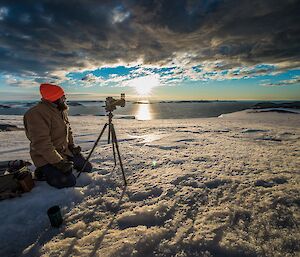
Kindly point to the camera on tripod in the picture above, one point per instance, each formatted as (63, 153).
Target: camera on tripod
(111, 103)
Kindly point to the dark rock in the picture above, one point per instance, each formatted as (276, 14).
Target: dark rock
(74, 104)
(4, 106)
(8, 127)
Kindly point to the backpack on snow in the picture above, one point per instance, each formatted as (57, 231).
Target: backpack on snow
(15, 179)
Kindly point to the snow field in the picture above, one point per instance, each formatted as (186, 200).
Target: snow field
(200, 187)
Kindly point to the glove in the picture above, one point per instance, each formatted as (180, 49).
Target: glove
(64, 166)
(17, 164)
(75, 150)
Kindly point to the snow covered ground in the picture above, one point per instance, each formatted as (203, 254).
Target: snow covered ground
(226, 186)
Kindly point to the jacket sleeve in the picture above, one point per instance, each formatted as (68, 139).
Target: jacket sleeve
(38, 128)
(70, 138)
(70, 132)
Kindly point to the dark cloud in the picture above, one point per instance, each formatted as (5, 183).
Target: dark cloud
(39, 37)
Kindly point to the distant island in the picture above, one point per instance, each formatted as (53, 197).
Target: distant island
(265, 105)
(74, 104)
(141, 102)
(90, 101)
(4, 106)
(278, 110)
(185, 101)
(200, 101)
(30, 104)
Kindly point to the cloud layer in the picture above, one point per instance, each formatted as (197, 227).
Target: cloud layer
(48, 38)
(287, 82)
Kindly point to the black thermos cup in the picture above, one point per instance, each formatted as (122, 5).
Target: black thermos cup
(55, 217)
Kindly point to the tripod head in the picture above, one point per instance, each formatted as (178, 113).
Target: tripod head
(110, 116)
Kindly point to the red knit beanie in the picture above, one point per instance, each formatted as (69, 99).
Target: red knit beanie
(51, 92)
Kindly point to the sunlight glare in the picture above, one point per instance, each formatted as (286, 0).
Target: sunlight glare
(144, 85)
(143, 112)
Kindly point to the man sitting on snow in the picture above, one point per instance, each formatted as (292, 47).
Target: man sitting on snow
(52, 146)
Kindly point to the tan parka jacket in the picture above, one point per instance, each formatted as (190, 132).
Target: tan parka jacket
(49, 132)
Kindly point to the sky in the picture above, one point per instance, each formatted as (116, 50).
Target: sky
(164, 50)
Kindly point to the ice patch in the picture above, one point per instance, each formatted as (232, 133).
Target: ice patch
(185, 140)
(165, 147)
(148, 137)
(269, 138)
(254, 130)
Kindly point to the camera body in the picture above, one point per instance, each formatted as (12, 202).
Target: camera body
(111, 103)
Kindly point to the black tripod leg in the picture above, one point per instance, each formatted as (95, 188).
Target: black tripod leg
(96, 142)
(109, 133)
(114, 136)
(114, 150)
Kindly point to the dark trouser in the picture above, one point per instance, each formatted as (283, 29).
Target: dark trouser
(58, 179)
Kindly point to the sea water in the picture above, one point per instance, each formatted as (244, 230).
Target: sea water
(142, 110)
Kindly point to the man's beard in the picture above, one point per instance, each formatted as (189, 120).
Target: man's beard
(61, 105)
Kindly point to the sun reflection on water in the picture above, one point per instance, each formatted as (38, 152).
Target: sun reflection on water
(143, 112)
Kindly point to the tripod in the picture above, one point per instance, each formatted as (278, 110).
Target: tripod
(112, 137)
